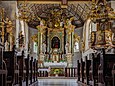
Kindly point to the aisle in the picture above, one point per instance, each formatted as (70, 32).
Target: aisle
(57, 82)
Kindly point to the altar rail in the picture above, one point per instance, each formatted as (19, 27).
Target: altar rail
(68, 72)
(71, 72)
(43, 72)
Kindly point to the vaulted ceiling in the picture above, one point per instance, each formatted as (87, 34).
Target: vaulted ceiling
(42, 9)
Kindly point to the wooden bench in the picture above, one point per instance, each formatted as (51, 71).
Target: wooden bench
(12, 67)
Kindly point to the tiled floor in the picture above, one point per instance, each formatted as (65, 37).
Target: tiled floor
(57, 82)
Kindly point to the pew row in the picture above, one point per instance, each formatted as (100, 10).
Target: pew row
(98, 71)
(17, 70)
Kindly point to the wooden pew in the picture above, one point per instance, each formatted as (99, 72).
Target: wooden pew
(107, 62)
(3, 69)
(113, 74)
(78, 68)
(93, 75)
(20, 60)
(99, 70)
(35, 70)
(12, 67)
(87, 67)
(31, 71)
(17, 70)
(88, 71)
(81, 72)
(27, 70)
(82, 66)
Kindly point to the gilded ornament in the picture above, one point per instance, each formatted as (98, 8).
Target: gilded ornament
(35, 38)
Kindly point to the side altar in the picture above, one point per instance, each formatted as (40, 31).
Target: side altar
(55, 41)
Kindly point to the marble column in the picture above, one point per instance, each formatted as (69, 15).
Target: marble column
(17, 28)
(26, 38)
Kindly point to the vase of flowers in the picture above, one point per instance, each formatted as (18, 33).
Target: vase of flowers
(56, 72)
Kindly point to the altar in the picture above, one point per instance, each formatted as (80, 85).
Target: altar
(55, 64)
(55, 45)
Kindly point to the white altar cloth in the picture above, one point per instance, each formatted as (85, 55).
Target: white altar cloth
(51, 64)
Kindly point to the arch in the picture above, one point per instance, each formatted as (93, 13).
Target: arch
(55, 42)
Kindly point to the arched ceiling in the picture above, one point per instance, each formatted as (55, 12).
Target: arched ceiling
(78, 10)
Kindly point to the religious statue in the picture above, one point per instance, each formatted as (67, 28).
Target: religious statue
(44, 47)
(6, 46)
(67, 47)
(6, 20)
(68, 21)
(61, 24)
(42, 21)
(21, 39)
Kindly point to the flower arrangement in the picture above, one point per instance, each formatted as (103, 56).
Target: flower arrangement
(48, 61)
(56, 71)
(62, 60)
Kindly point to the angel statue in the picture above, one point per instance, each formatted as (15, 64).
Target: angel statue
(42, 21)
(44, 47)
(6, 45)
(21, 38)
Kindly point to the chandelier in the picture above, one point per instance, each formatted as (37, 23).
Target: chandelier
(101, 12)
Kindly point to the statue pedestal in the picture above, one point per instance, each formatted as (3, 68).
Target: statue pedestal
(69, 59)
(42, 56)
(41, 59)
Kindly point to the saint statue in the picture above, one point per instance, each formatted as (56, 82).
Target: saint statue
(44, 47)
(6, 46)
(21, 39)
(67, 47)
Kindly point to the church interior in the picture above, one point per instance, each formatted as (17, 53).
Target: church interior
(57, 43)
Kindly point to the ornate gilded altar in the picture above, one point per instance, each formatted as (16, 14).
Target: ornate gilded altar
(53, 35)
